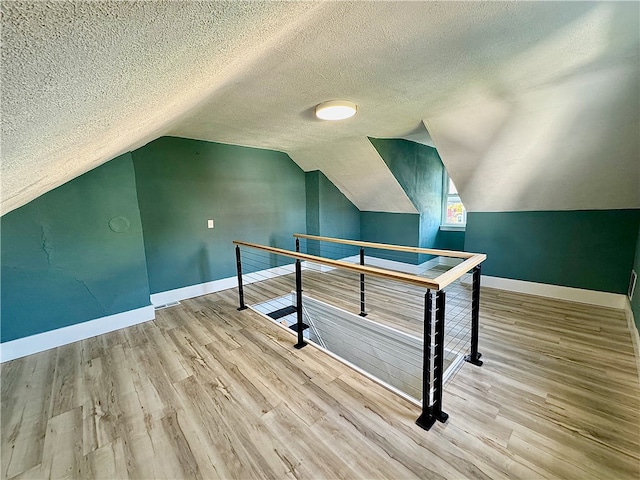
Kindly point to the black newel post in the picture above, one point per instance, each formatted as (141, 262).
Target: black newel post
(300, 325)
(426, 419)
(240, 289)
(438, 366)
(363, 313)
(474, 356)
(297, 244)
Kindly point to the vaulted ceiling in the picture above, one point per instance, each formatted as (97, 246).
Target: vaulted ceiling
(532, 106)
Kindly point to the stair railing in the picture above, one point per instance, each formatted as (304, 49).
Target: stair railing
(434, 307)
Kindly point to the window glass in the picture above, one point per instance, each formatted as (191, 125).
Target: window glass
(453, 212)
(456, 214)
(452, 187)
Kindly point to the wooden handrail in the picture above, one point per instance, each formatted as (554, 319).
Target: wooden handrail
(386, 246)
(378, 272)
(456, 272)
(435, 284)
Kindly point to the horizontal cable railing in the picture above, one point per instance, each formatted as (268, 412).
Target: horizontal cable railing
(402, 302)
(374, 271)
(459, 275)
(387, 246)
(470, 260)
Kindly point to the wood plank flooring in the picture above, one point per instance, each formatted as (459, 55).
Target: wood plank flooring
(205, 391)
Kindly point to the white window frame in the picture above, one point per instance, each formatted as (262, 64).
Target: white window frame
(445, 197)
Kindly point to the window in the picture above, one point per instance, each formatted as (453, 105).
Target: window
(454, 215)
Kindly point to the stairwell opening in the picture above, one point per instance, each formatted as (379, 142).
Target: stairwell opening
(387, 355)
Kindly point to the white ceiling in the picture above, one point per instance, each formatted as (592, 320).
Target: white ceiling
(532, 106)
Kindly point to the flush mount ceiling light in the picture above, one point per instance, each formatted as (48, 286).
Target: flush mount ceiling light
(336, 110)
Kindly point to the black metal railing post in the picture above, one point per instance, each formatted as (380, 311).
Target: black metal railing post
(363, 313)
(426, 418)
(438, 362)
(474, 356)
(240, 289)
(297, 244)
(300, 326)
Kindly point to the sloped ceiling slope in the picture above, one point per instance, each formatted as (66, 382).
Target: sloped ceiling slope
(555, 127)
(532, 106)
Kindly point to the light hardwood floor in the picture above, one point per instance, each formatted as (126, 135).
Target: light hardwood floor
(205, 391)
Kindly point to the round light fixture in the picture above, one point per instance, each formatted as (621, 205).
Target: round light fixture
(336, 110)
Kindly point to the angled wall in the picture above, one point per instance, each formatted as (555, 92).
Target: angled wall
(329, 214)
(78, 253)
(74, 254)
(419, 170)
(251, 194)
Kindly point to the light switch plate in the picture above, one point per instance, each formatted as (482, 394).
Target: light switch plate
(209, 223)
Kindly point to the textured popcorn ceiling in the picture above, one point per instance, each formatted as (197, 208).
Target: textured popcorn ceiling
(532, 106)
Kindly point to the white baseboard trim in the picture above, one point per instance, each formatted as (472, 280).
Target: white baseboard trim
(316, 267)
(80, 331)
(579, 295)
(192, 291)
(633, 330)
(178, 294)
(73, 333)
(391, 265)
(411, 268)
(369, 261)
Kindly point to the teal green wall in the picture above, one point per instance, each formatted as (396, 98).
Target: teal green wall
(251, 194)
(312, 196)
(393, 228)
(417, 168)
(419, 171)
(635, 302)
(329, 214)
(62, 264)
(591, 249)
(450, 240)
(78, 252)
